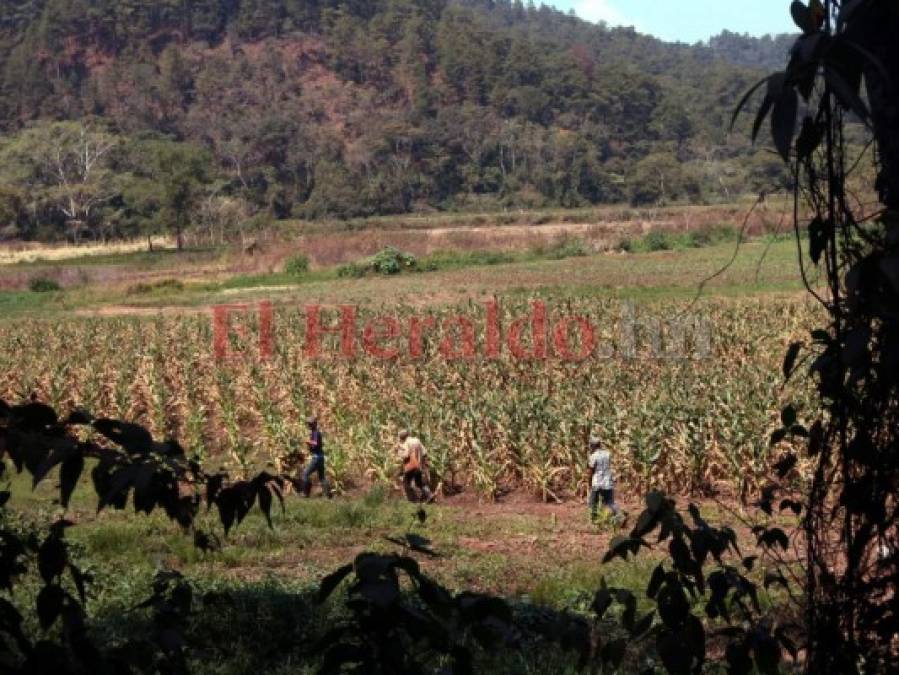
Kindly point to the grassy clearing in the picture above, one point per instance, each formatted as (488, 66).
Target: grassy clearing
(140, 259)
(758, 268)
(254, 605)
(58, 253)
(16, 303)
(93, 277)
(600, 214)
(550, 555)
(561, 269)
(521, 546)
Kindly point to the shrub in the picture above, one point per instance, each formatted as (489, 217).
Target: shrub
(662, 240)
(392, 261)
(697, 239)
(658, 240)
(491, 258)
(455, 259)
(44, 285)
(566, 248)
(164, 285)
(388, 261)
(297, 265)
(625, 245)
(428, 266)
(353, 270)
(709, 235)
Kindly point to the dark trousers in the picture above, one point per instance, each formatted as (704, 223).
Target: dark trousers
(608, 499)
(416, 477)
(316, 465)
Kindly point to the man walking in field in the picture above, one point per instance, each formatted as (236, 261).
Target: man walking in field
(602, 484)
(413, 456)
(316, 446)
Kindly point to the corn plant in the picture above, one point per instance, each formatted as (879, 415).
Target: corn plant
(682, 425)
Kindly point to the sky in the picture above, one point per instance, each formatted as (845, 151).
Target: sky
(686, 20)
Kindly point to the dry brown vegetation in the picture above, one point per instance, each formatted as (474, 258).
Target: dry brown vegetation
(329, 244)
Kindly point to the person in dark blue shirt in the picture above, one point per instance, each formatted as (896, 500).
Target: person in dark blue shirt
(316, 446)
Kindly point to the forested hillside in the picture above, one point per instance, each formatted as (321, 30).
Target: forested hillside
(123, 116)
(769, 52)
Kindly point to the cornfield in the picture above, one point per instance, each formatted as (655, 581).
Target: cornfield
(680, 424)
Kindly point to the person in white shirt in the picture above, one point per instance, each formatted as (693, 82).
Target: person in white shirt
(602, 482)
(413, 456)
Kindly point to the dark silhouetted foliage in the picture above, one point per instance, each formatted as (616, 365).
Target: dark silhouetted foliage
(845, 66)
(128, 465)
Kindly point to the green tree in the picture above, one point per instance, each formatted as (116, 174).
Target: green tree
(273, 87)
(672, 122)
(66, 167)
(336, 192)
(414, 63)
(175, 86)
(182, 171)
(12, 209)
(166, 185)
(656, 179)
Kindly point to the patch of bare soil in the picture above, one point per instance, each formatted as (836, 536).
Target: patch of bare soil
(129, 310)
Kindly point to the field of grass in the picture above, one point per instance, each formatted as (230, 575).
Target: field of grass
(518, 547)
(692, 216)
(254, 594)
(93, 276)
(760, 267)
(25, 254)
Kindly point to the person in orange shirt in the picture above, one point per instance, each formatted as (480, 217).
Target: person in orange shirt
(414, 458)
